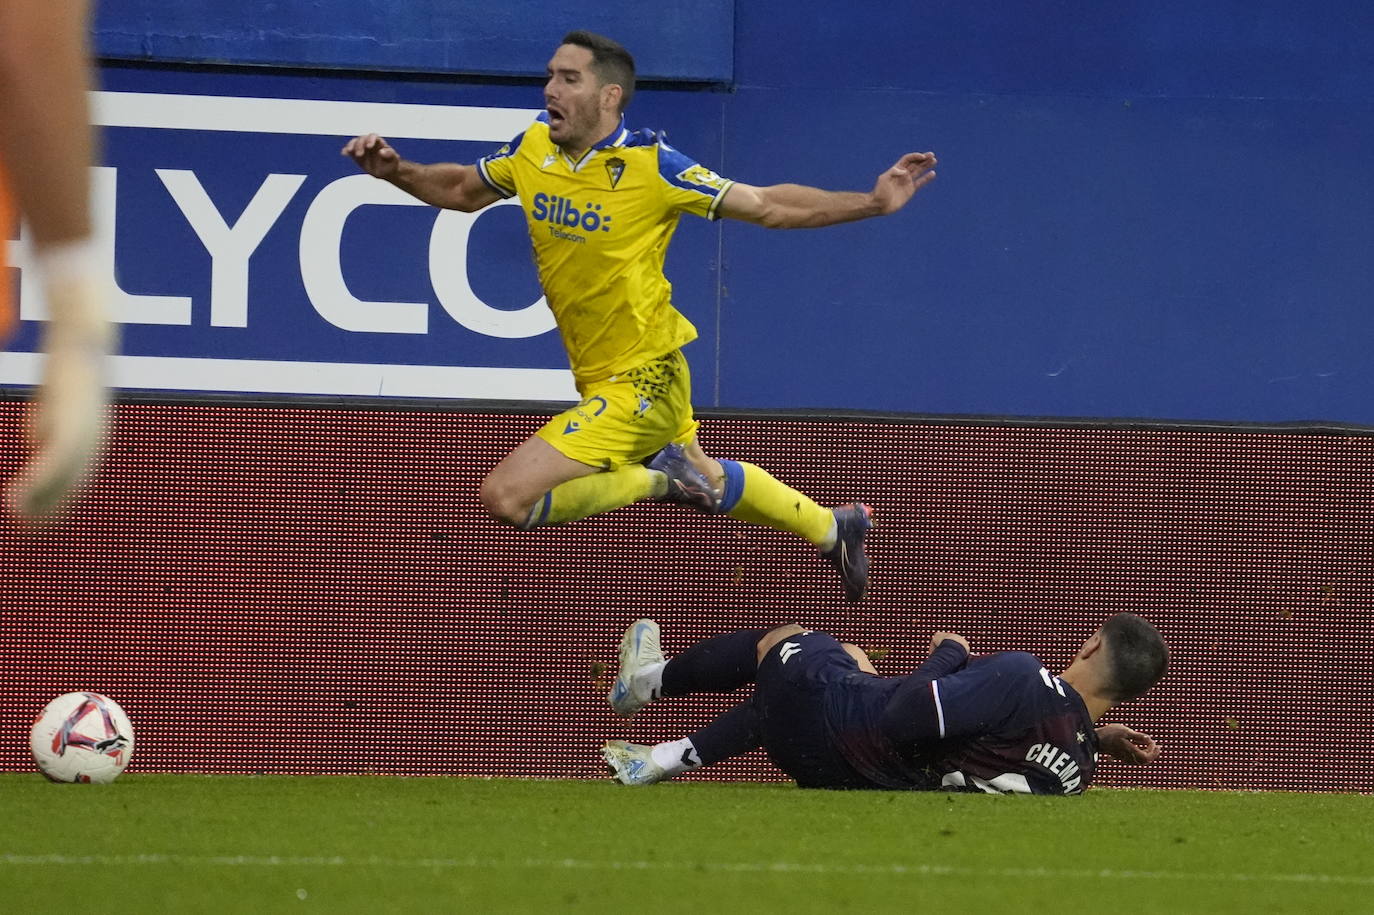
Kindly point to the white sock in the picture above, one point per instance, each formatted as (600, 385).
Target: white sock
(676, 756)
(650, 679)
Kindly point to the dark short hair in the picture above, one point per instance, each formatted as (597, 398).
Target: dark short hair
(610, 61)
(1137, 655)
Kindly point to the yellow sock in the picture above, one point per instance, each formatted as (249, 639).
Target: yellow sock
(594, 494)
(760, 498)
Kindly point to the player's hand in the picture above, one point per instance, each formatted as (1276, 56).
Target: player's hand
(899, 184)
(68, 423)
(1127, 745)
(940, 637)
(373, 155)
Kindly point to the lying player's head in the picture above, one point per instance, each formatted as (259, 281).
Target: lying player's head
(1135, 653)
(612, 64)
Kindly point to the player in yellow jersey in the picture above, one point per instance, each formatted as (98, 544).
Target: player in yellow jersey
(601, 202)
(45, 160)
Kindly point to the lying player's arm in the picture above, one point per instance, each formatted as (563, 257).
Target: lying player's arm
(1126, 745)
(912, 713)
(939, 664)
(444, 184)
(796, 206)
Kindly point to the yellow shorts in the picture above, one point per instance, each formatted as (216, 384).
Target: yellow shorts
(626, 418)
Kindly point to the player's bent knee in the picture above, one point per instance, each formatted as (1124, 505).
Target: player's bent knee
(503, 504)
(775, 636)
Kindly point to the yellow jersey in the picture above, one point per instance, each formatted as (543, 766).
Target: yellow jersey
(600, 228)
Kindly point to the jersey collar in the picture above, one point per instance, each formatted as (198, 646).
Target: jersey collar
(1079, 705)
(616, 137)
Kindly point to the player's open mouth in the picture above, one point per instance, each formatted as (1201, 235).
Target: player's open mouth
(555, 116)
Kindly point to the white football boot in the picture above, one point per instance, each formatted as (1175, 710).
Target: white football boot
(632, 763)
(639, 653)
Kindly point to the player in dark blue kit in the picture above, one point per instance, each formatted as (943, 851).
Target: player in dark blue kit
(999, 723)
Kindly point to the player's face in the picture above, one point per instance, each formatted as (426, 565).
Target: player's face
(573, 97)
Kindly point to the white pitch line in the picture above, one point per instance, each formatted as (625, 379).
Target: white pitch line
(759, 867)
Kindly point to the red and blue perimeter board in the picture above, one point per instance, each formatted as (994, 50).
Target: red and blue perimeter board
(271, 588)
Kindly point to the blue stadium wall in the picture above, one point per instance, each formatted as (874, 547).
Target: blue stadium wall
(1153, 210)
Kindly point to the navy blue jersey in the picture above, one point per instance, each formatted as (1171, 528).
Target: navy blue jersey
(998, 723)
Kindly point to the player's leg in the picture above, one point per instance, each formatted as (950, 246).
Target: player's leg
(752, 494)
(582, 462)
(785, 715)
(731, 734)
(740, 489)
(721, 664)
(589, 458)
(537, 485)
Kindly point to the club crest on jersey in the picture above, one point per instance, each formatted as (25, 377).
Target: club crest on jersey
(615, 167)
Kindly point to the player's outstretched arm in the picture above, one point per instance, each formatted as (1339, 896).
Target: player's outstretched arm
(48, 149)
(443, 184)
(796, 206)
(67, 427)
(1127, 745)
(47, 143)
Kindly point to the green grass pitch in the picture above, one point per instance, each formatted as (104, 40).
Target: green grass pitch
(165, 843)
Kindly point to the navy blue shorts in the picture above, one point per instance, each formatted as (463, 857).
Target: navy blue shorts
(789, 697)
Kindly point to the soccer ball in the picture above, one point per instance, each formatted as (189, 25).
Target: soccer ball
(82, 737)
